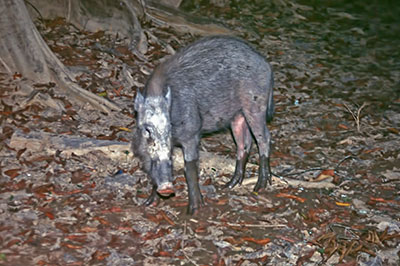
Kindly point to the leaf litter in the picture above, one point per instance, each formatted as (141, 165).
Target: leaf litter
(337, 122)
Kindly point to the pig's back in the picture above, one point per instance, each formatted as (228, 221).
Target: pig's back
(214, 74)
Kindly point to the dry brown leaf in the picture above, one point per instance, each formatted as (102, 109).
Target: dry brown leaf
(324, 175)
(289, 196)
(257, 241)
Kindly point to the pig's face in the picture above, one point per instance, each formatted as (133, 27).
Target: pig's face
(154, 136)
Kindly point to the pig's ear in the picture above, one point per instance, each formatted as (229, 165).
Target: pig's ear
(168, 96)
(139, 101)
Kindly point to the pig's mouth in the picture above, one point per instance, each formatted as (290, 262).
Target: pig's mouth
(165, 189)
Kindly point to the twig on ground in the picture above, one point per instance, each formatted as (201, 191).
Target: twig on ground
(342, 161)
(356, 115)
(299, 173)
(262, 225)
(307, 184)
(183, 246)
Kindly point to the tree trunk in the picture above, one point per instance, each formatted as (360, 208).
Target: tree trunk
(23, 50)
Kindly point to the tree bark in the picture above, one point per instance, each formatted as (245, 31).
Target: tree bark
(24, 51)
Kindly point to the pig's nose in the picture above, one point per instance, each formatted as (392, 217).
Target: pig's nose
(165, 189)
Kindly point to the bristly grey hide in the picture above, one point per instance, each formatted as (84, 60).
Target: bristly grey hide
(214, 83)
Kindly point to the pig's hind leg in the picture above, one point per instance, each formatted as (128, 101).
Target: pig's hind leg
(256, 119)
(243, 140)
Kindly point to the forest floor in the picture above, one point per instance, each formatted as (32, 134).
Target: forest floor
(335, 195)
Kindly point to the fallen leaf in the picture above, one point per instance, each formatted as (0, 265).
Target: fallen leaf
(12, 173)
(50, 215)
(289, 196)
(46, 188)
(166, 218)
(12, 243)
(180, 203)
(160, 233)
(17, 75)
(79, 238)
(164, 254)
(394, 130)
(257, 241)
(102, 220)
(113, 209)
(20, 185)
(100, 255)
(382, 200)
(234, 241)
(72, 246)
(286, 238)
(88, 229)
(207, 182)
(372, 150)
(344, 204)
(118, 91)
(305, 258)
(79, 176)
(324, 175)
(222, 201)
(201, 229)
(125, 129)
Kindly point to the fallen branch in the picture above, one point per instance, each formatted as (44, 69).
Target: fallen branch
(327, 183)
(262, 225)
(51, 143)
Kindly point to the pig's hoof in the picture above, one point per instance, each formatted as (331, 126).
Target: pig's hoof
(262, 182)
(233, 182)
(257, 187)
(193, 209)
(152, 200)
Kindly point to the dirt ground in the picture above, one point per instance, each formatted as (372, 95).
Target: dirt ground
(71, 192)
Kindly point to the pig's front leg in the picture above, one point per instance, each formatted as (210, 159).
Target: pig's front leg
(192, 180)
(191, 156)
(153, 198)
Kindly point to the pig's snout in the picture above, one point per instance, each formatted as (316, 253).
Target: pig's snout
(162, 177)
(165, 189)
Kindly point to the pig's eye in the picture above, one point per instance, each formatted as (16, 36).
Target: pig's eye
(147, 131)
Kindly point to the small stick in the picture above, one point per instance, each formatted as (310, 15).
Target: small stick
(248, 225)
(355, 116)
(183, 246)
